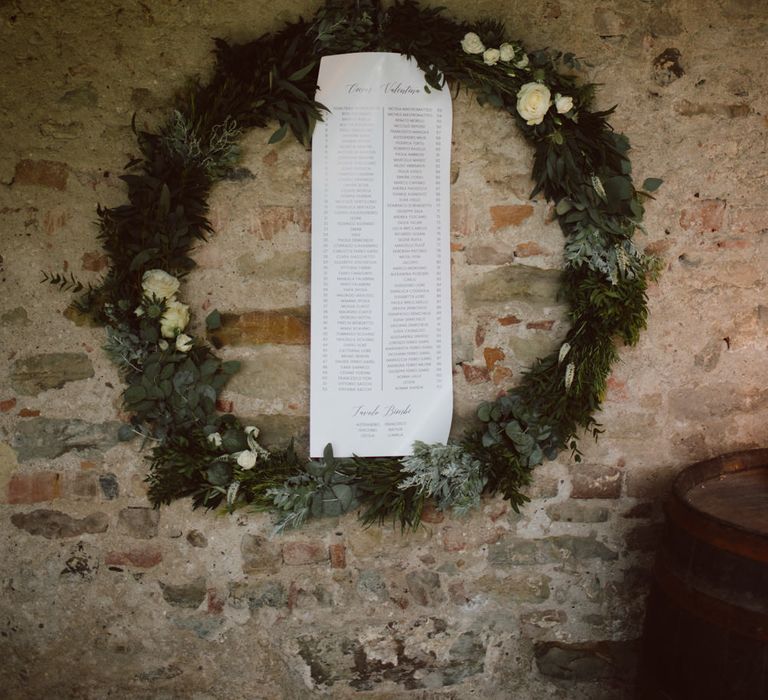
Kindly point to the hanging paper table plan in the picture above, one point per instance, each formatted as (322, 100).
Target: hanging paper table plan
(381, 308)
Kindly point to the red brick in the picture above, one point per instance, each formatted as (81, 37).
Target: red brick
(216, 601)
(496, 509)
(733, 244)
(430, 513)
(616, 390)
(540, 325)
(493, 535)
(705, 216)
(7, 405)
(480, 334)
(225, 406)
(282, 327)
(94, 261)
(272, 220)
(304, 552)
(140, 557)
(43, 173)
(270, 158)
(461, 220)
(509, 320)
(457, 247)
(501, 374)
(453, 540)
(29, 413)
(658, 247)
(338, 554)
(492, 356)
(505, 215)
(528, 249)
(475, 375)
(749, 220)
(34, 487)
(54, 220)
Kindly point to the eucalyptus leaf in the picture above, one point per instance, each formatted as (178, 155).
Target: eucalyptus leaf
(652, 184)
(125, 432)
(219, 474)
(213, 320)
(279, 134)
(134, 393)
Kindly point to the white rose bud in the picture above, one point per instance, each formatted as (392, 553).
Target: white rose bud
(506, 52)
(139, 311)
(158, 283)
(183, 342)
(491, 57)
(471, 43)
(533, 101)
(251, 431)
(563, 103)
(162, 344)
(246, 459)
(174, 320)
(215, 439)
(523, 62)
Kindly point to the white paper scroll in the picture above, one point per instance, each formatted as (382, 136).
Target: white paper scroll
(381, 307)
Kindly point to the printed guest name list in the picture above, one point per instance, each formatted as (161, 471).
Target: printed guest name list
(381, 306)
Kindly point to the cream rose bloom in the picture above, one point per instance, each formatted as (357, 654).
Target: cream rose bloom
(183, 342)
(533, 101)
(506, 52)
(471, 43)
(491, 57)
(158, 283)
(246, 459)
(215, 439)
(174, 320)
(563, 103)
(523, 62)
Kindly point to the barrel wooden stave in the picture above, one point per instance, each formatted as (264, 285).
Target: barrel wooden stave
(706, 629)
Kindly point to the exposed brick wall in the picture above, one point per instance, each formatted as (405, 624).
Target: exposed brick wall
(102, 594)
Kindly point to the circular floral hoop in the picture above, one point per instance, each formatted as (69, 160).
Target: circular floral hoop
(173, 379)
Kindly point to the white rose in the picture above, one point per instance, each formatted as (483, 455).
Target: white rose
(563, 103)
(174, 320)
(533, 101)
(523, 62)
(251, 431)
(139, 311)
(215, 439)
(471, 43)
(506, 52)
(183, 342)
(491, 57)
(162, 344)
(246, 459)
(159, 284)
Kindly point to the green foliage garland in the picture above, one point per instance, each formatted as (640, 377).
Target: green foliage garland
(173, 379)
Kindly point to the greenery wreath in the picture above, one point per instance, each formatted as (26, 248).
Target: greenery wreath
(173, 379)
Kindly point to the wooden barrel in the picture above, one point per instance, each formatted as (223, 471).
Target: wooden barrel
(706, 627)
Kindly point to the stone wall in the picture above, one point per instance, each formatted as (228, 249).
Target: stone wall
(103, 596)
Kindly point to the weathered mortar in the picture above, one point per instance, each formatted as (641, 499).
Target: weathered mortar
(102, 596)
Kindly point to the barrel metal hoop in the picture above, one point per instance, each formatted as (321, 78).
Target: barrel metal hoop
(717, 532)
